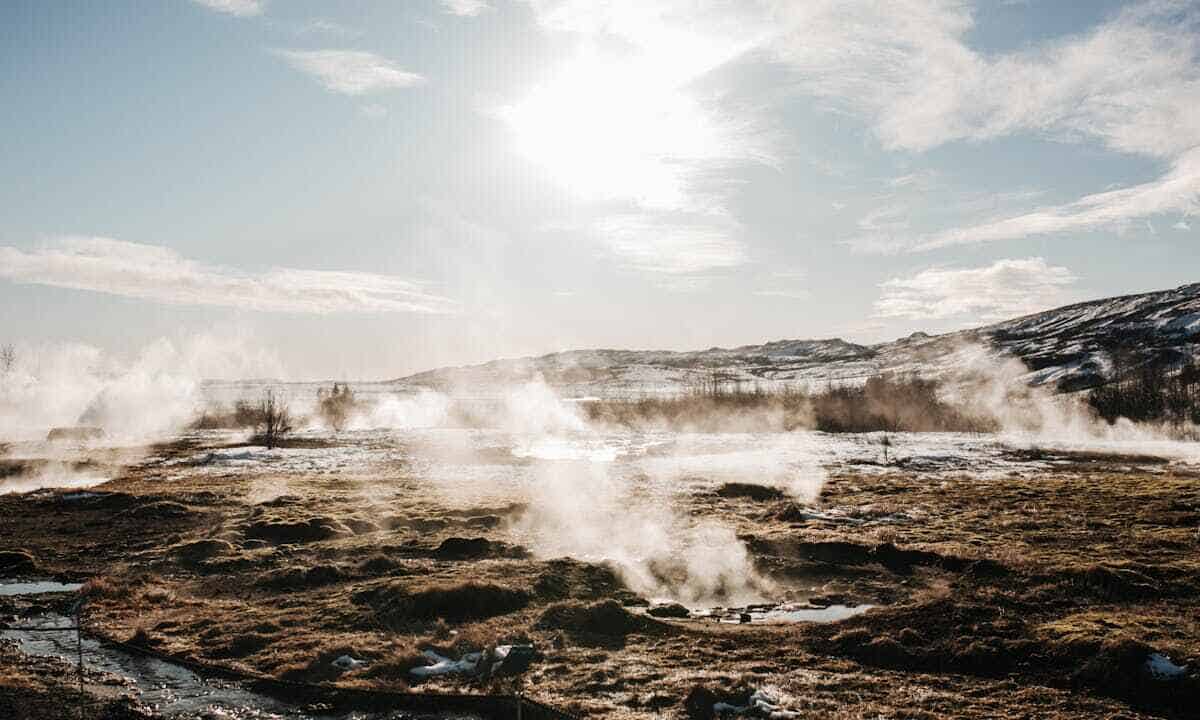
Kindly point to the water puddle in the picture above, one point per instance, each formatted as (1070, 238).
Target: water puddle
(170, 690)
(787, 613)
(37, 587)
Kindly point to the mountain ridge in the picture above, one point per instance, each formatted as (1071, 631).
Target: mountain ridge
(1072, 347)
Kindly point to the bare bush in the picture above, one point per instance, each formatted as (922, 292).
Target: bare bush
(8, 358)
(275, 420)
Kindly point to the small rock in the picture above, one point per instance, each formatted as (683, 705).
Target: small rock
(345, 663)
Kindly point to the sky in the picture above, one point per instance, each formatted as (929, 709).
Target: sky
(368, 189)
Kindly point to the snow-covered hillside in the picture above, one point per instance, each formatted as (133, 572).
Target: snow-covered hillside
(1068, 348)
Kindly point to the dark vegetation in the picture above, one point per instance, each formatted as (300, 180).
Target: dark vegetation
(336, 406)
(244, 414)
(884, 403)
(1150, 392)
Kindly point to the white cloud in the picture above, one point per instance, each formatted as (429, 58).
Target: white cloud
(1182, 225)
(466, 8)
(622, 121)
(1178, 190)
(240, 8)
(1132, 84)
(351, 72)
(1004, 289)
(161, 275)
(672, 247)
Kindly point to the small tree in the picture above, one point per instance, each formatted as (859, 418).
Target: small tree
(8, 358)
(274, 418)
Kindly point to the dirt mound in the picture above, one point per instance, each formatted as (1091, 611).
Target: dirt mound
(380, 565)
(600, 620)
(453, 603)
(570, 579)
(299, 578)
(243, 645)
(359, 526)
(474, 548)
(757, 493)
(158, 510)
(17, 562)
(421, 525)
(294, 533)
(943, 637)
(201, 550)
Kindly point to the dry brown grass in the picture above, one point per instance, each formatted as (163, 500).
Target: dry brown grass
(1083, 567)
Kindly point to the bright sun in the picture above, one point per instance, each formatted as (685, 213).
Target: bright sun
(616, 130)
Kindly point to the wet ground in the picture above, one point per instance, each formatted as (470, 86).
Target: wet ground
(655, 574)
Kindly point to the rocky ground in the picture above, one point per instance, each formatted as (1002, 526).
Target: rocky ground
(1055, 594)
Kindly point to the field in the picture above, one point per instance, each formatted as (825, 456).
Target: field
(976, 576)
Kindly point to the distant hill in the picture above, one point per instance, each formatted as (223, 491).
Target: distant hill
(1068, 348)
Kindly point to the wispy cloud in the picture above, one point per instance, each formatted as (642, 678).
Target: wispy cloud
(240, 8)
(351, 72)
(1177, 191)
(1131, 84)
(466, 8)
(158, 274)
(1004, 289)
(672, 247)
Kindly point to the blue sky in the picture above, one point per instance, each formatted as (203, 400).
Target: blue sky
(374, 188)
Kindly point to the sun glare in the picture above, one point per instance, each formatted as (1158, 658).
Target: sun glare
(608, 131)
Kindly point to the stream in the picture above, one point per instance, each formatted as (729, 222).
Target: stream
(168, 689)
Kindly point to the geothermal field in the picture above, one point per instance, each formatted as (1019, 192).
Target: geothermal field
(599, 359)
(678, 556)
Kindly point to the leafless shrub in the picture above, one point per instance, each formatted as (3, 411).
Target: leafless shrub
(275, 420)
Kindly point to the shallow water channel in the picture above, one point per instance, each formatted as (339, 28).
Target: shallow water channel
(171, 690)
